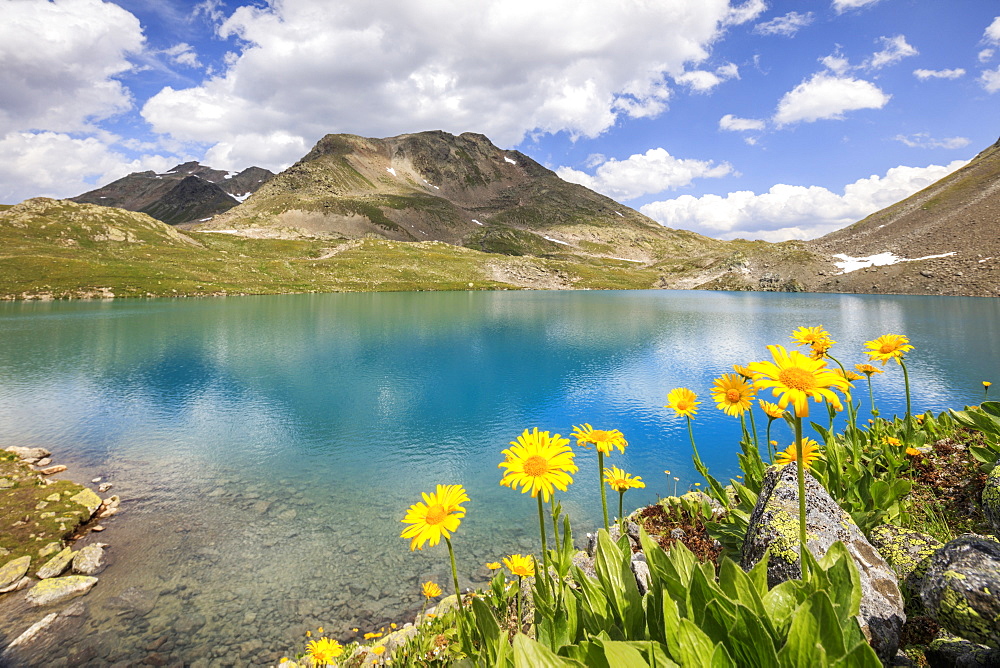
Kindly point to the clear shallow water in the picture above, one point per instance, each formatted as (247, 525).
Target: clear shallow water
(266, 448)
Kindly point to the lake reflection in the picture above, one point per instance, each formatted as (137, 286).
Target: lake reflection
(267, 447)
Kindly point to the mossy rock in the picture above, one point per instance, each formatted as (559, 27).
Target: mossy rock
(961, 587)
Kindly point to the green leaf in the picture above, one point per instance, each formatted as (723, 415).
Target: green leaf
(694, 647)
(802, 646)
(752, 639)
(621, 654)
(831, 631)
(862, 656)
(721, 657)
(530, 654)
(489, 630)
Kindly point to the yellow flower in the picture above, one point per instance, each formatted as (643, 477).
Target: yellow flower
(818, 351)
(795, 378)
(849, 375)
(868, 369)
(320, 630)
(392, 625)
(369, 636)
(378, 650)
(810, 453)
(436, 517)
(324, 651)
(986, 383)
(732, 394)
(682, 400)
(743, 371)
(810, 336)
(888, 347)
(602, 439)
(431, 589)
(772, 411)
(493, 565)
(520, 565)
(913, 452)
(893, 441)
(309, 634)
(539, 463)
(620, 481)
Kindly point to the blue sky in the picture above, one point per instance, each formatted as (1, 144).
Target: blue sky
(756, 118)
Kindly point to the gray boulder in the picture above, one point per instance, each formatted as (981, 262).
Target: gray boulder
(991, 500)
(13, 571)
(908, 553)
(33, 454)
(960, 589)
(952, 652)
(774, 525)
(89, 560)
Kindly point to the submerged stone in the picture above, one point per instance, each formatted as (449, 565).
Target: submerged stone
(56, 590)
(961, 589)
(774, 525)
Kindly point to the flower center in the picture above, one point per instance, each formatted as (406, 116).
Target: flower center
(536, 465)
(797, 379)
(683, 405)
(733, 396)
(436, 514)
(887, 348)
(599, 436)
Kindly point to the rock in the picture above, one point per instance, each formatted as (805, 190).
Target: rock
(44, 461)
(52, 470)
(56, 565)
(950, 651)
(774, 525)
(97, 527)
(33, 630)
(29, 453)
(585, 562)
(110, 507)
(53, 497)
(51, 548)
(908, 553)
(56, 590)
(23, 583)
(89, 560)
(960, 589)
(104, 486)
(640, 569)
(88, 499)
(991, 500)
(96, 480)
(6, 483)
(13, 571)
(927, 274)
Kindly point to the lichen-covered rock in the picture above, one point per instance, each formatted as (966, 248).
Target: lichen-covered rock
(991, 500)
(774, 525)
(908, 553)
(586, 563)
(13, 571)
(56, 565)
(56, 590)
(29, 453)
(88, 499)
(952, 652)
(961, 589)
(89, 560)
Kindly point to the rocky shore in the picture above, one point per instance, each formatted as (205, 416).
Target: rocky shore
(40, 572)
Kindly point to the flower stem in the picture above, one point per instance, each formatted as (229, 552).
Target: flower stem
(871, 395)
(545, 546)
(691, 435)
(458, 593)
(770, 450)
(555, 523)
(753, 429)
(600, 481)
(621, 511)
(520, 619)
(906, 382)
(801, 477)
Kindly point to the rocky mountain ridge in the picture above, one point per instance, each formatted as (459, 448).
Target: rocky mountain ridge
(187, 193)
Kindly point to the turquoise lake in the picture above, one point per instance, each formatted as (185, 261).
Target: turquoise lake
(266, 448)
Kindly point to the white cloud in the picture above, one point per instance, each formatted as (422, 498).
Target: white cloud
(841, 6)
(506, 68)
(836, 63)
(992, 33)
(924, 75)
(183, 54)
(644, 173)
(702, 81)
(734, 123)
(896, 48)
(59, 63)
(748, 11)
(990, 79)
(924, 140)
(794, 212)
(825, 96)
(54, 164)
(986, 55)
(786, 25)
